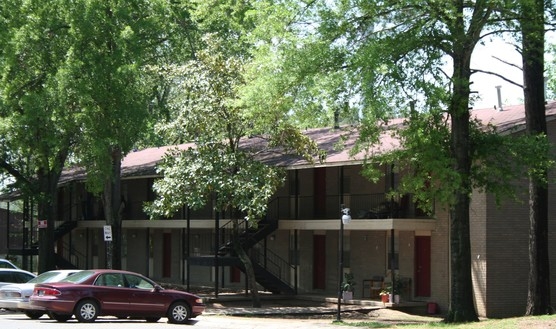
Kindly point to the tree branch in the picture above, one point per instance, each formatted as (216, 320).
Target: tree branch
(499, 76)
(508, 63)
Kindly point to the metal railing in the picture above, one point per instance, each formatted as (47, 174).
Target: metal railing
(72, 255)
(273, 263)
(376, 205)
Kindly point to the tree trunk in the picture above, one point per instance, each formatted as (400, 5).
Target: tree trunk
(47, 204)
(462, 307)
(112, 209)
(249, 270)
(46, 235)
(532, 25)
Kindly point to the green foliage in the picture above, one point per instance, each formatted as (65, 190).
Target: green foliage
(37, 123)
(375, 58)
(192, 176)
(106, 72)
(216, 164)
(348, 284)
(296, 77)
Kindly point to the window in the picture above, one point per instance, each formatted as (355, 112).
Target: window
(110, 280)
(134, 281)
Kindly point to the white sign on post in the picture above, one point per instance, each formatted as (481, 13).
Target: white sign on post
(107, 233)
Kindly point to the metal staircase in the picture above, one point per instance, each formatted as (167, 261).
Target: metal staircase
(60, 231)
(271, 272)
(248, 236)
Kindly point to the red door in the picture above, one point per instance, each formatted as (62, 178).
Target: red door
(422, 266)
(319, 261)
(235, 274)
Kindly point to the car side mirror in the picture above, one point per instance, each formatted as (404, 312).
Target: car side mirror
(158, 288)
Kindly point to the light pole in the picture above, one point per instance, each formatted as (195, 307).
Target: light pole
(345, 219)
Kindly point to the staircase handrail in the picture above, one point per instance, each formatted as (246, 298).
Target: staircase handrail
(71, 251)
(273, 263)
(227, 230)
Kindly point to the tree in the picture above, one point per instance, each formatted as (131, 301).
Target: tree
(385, 56)
(38, 119)
(108, 70)
(221, 164)
(532, 36)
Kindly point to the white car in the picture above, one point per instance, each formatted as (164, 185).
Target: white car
(4, 263)
(14, 275)
(15, 297)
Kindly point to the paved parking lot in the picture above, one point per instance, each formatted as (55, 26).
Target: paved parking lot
(20, 321)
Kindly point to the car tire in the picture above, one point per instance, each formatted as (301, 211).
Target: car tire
(86, 311)
(179, 313)
(152, 319)
(60, 317)
(34, 314)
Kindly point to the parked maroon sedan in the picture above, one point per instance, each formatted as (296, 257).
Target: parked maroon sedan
(93, 293)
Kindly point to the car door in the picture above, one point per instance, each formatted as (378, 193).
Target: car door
(110, 290)
(144, 298)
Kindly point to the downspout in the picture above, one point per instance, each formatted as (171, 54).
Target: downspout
(392, 232)
(296, 201)
(392, 260)
(216, 241)
(148, 249)
(296, 216)
(183, 256)
(188, 251)
(296, 253)
(87, 250)
(340, 244)
(8, 226)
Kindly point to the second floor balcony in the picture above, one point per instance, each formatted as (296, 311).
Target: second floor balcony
(362, 206)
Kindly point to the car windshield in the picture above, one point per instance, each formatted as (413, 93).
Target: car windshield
(78, 277)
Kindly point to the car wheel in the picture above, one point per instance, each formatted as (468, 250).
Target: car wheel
(33, 314)
(86, 311)
(178, 313)
(60, 317)
(152, 319)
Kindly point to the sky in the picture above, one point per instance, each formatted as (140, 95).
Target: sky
(485, 85)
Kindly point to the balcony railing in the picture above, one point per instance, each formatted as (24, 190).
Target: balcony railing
(362, 206)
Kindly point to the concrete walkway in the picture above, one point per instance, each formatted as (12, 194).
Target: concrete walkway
(294, 305)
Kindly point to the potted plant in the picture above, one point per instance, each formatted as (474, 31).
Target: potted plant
(348, 286)
(396, 288)
(384, 296)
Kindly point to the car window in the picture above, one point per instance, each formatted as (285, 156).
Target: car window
(138, 282)
(78, 277)
(110, 280)
(15, 277)
(5, 264)
(22, 277)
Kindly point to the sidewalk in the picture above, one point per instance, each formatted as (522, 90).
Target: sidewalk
(303, 308)
(301, 305)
